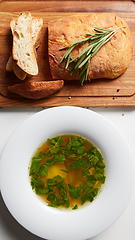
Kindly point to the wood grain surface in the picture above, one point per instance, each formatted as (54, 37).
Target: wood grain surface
(104, 92)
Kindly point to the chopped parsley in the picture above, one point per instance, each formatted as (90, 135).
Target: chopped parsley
(80, 171)
(75, 192)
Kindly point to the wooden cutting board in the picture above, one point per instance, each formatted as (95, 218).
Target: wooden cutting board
(118, 92)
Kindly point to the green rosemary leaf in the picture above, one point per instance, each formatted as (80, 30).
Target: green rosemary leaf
(81, 53)
(104, 40)
(83, 78)
(67, 53)
(99, 29)
(68, 61)
(82, 72)
(72, 69)
(76, 42)
(69, 50)
(98, 35)
(80, 64)
(87, 72)
(85, 61)
(90, 50)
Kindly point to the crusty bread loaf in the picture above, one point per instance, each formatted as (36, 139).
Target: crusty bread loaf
(109, 62)
(36, 90)
(23, 47)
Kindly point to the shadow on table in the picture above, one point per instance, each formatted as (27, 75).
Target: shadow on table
(12, 227)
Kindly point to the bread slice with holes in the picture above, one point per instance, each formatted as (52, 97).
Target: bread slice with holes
(20, 73)
(37, 24)
(23, 48)
(11, 66)
(36, 90)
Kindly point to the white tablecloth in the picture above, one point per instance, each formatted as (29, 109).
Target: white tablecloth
(123, 119)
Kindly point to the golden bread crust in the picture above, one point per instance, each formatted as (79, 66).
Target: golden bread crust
(111, 60)
(36, 90)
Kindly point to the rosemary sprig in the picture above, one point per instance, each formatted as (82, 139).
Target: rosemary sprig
(81, 63)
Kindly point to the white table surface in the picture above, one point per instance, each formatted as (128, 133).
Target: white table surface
(123, 119)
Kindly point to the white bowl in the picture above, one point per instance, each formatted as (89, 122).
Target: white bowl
(90, 219)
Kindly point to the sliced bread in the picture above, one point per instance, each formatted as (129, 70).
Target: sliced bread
(37, 24)
(36, 90)
(21, 74)
(23, 48)
(9, 67)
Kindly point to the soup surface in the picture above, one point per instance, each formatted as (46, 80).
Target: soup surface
(67, 171)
